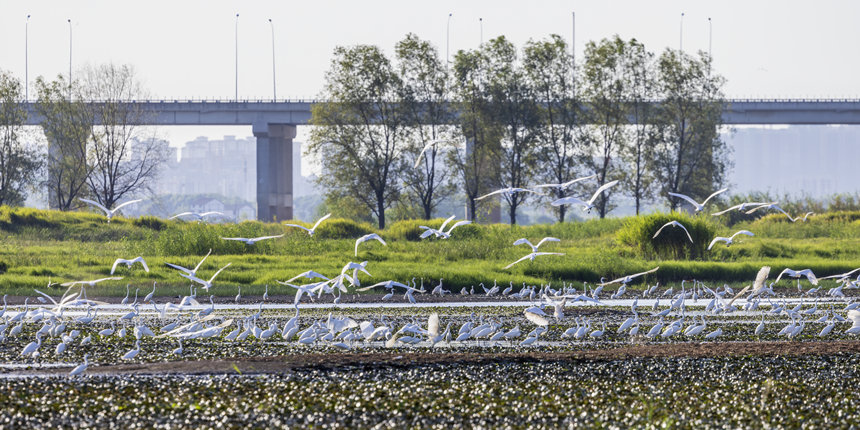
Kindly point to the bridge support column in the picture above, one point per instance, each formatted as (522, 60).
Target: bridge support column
(274, 171)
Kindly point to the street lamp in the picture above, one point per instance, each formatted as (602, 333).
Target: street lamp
(448, 42)
(681, 44)
(236, 96)
(27, 60)
(274, 87)
(710, 37)
(481, 22)
(70, 57)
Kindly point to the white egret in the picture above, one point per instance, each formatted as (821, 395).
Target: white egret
(509, 191)
(674, 224)
(312, 229)
(535, 247)
(565, 184)
(32, 347)
(587, 206)
(740, 208)
(728, 240)
(768, 206)
(129, 263)
(253, 240)
(91, 283)
(365, 238)
(109, 213)
(698, 207)
(149, 296)
(195, 215)
(192, 272)
(81, 367)
(797, 274)
(132, 353)
(206, 285)
(627, 279)
(532, 257)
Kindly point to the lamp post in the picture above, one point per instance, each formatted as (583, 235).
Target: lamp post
(274, 86)
(481, 23)
(448, 42)
(710, 36)
(70, 57)
(573, 51)
(27, 60)
(681, 43)
(236, 37)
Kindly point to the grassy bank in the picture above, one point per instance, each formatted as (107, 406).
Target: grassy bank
(42, 245)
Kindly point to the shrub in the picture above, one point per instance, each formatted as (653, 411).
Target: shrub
(409, 230)
(150, 222)
(339, 228)
(672, 243)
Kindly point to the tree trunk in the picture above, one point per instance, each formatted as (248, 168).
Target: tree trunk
(380, 207)
(512, 211)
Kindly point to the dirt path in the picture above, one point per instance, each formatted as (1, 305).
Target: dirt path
(395, 358)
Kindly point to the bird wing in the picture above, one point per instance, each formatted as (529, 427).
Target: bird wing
(457, 224)
(785, 213)
(240, 239)
(547, 239)
(644, 273)
(727, 210)
(219, 271)
(115, 263)
(569, 200)
(841, 275)
(112, 278)
(523, 241)
(760, 278)
(569, 183)
(201, 261)
(427, 232)
(257, 239)
(603, 188)
(210, 213)
(763, 205)
(538, 254)
(423, 150)
(180, 215)
(549, 186)
(811, 276)
(745, 232)
(433, 324)
(717, 239)
(492, 193)
(685, 231)
(451, 218)
(661, 229)
(376, 236)
(714, 194)
(780, 275)
(301, 227)
(325, 217)
(97, 204)
(143, 263)
(126, 204)
(178, 267)
(536, 319)
(521, 259)
(692, 202)
(46, 296)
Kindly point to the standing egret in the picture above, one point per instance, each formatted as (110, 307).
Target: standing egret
(81, 367)
(132, 353)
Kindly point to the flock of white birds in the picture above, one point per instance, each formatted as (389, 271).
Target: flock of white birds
(190, 320)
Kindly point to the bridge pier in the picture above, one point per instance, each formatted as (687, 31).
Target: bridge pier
(274, 171)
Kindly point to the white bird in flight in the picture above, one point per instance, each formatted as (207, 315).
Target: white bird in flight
(367, 237)
(441, 231)
(93, 282)
(566, 184)
(586, 205)
(509, 191)
(531, 257)
(797, 274)
(696, 205)
(627, 279)
(253, 240)
(768, 206)
(426, 147)
(740, 208)
(206, 285)
(312, 229)
(675, 224)
(195, 215)
(109, 213)
(728, 240)
(535, 247)
(192, 272)
(129, 263)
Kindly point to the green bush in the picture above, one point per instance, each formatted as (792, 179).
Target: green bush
(339, 228)
(672, 243)
(150, 222)
(409, 230)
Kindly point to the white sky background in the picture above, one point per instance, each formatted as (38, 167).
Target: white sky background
(185, 48)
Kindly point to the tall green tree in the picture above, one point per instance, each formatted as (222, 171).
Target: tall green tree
(638, 151)
(19, 162)
(428, 120)
(359, 135)
(475, 162)
(548, 66)
(604, 91)
(67, 124)
(514, 112)
(691, 158)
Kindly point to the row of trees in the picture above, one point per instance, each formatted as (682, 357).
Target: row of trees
(95, 149)
(503, 117)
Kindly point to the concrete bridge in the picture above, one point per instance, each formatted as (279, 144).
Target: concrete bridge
(274, 126)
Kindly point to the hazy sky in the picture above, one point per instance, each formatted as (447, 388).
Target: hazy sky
(185, 49)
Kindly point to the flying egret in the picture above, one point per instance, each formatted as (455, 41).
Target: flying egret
(313, 229)
(587, 206)
(206, 284)
(509, 191)
(253, 240)
(740, 208)
(728, 240)
(674, 224)
(431, 144)
(535, 247)
(797, 274)
(441, 231)
(698, 207)
(192, 272)
(627, 279)
(129, 263)
(109, 213)
(769, 206)
(805, 217)
(195, 215)
(91, 283)
(532, 256)
(365, 238)
(565, 184)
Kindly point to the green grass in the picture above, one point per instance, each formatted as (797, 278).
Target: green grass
(38, 246)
